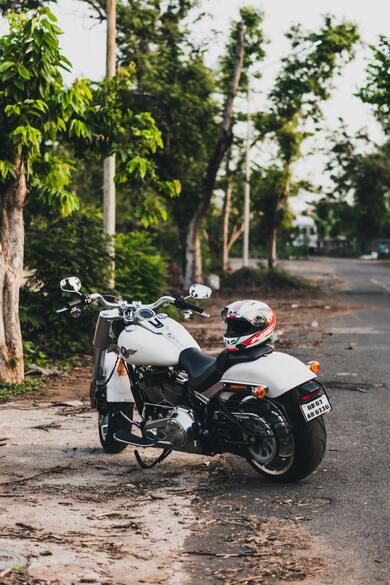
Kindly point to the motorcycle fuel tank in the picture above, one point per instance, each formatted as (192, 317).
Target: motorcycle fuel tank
(155, 342)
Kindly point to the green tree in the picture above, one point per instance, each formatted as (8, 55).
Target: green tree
(244, 49)
(304, 82)
(376, 92)
(37, 112)
(358, 203)
(174, 83)
(371, 183)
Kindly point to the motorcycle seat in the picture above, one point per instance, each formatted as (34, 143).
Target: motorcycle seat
(205, 370)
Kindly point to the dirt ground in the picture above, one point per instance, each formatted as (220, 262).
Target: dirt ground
(70, 513)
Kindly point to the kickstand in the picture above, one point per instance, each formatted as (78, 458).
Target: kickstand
(159, 459)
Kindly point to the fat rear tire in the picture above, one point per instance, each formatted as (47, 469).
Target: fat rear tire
(112, 421)
(309, 442)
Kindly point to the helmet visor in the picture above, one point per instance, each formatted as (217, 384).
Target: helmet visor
(238, 327)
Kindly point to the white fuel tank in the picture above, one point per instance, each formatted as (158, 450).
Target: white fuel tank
(144, 345)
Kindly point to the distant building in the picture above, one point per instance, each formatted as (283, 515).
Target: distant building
(306, 233)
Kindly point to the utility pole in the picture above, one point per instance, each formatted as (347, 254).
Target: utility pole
(109, 203)
(247, 193)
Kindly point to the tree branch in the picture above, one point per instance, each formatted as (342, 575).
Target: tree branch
(225, 138)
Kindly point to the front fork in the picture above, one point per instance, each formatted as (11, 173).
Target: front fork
(97, 390)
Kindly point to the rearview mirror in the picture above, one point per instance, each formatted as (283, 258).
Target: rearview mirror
(200, 291)
(70, 284)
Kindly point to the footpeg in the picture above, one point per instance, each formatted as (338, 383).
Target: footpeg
(125, 436)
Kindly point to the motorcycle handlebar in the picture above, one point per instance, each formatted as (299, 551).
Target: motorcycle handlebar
(179, 301)
(192, 307)
(71, 305)
(100, 298)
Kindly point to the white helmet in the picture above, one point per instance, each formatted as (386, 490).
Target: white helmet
(249, 323)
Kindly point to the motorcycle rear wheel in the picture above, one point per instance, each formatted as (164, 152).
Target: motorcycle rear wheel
(111, 422)
(309, 444)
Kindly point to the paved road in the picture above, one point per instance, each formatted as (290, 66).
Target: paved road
(347, 500)
(358, 463)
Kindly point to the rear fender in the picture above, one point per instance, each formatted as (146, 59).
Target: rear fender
(278, 371)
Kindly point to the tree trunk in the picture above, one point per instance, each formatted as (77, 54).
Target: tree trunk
(271, 251)
(193, 265)
(236, 233)
(109, 192)
(193, 269)
(226, 217)
(272, 255)
(11, 274)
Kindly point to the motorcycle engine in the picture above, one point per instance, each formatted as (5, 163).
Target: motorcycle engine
(161, 386)
(177, 427)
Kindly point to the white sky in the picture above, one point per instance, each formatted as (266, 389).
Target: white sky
(83, 43)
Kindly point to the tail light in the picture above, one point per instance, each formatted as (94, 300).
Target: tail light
(310, 390)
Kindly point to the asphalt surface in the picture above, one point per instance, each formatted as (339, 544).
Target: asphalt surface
(358, 464)
(346, 501)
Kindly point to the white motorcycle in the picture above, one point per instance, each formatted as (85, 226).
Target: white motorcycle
(260, 404)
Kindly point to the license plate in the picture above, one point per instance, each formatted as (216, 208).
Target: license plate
(316, 407)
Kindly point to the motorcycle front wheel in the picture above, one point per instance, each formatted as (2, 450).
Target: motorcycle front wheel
(110, 422)
(307, 447)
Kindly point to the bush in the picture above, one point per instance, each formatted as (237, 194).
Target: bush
(249, 278)
(64, 247)
(141, 272)
(78, 246)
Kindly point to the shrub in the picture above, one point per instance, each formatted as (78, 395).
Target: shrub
(55, 249)
(249, 278)
(140, 271)
(78, 246)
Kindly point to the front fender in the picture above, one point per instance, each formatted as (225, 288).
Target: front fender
(118, 387)
(278, 371)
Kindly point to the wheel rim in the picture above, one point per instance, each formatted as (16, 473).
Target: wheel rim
(264, 452)
(103, 425)
(285, 466)
(274, 455)
(277, 465)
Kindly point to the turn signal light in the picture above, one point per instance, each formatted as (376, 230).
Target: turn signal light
(121, 368)
(314, 366)
(260, 391)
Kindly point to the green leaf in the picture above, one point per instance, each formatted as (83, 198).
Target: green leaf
(69, 203)
(49, 14)
(12, 109)
(23, 72)
(19, 84)
(177, 186)
(138, 165)
(7, 168)
(6, 65)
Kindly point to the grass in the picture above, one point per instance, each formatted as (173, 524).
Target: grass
(21, 571)
(276, 279)
(8, 391)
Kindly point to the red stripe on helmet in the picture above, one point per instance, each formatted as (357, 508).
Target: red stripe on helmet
(261, 335)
